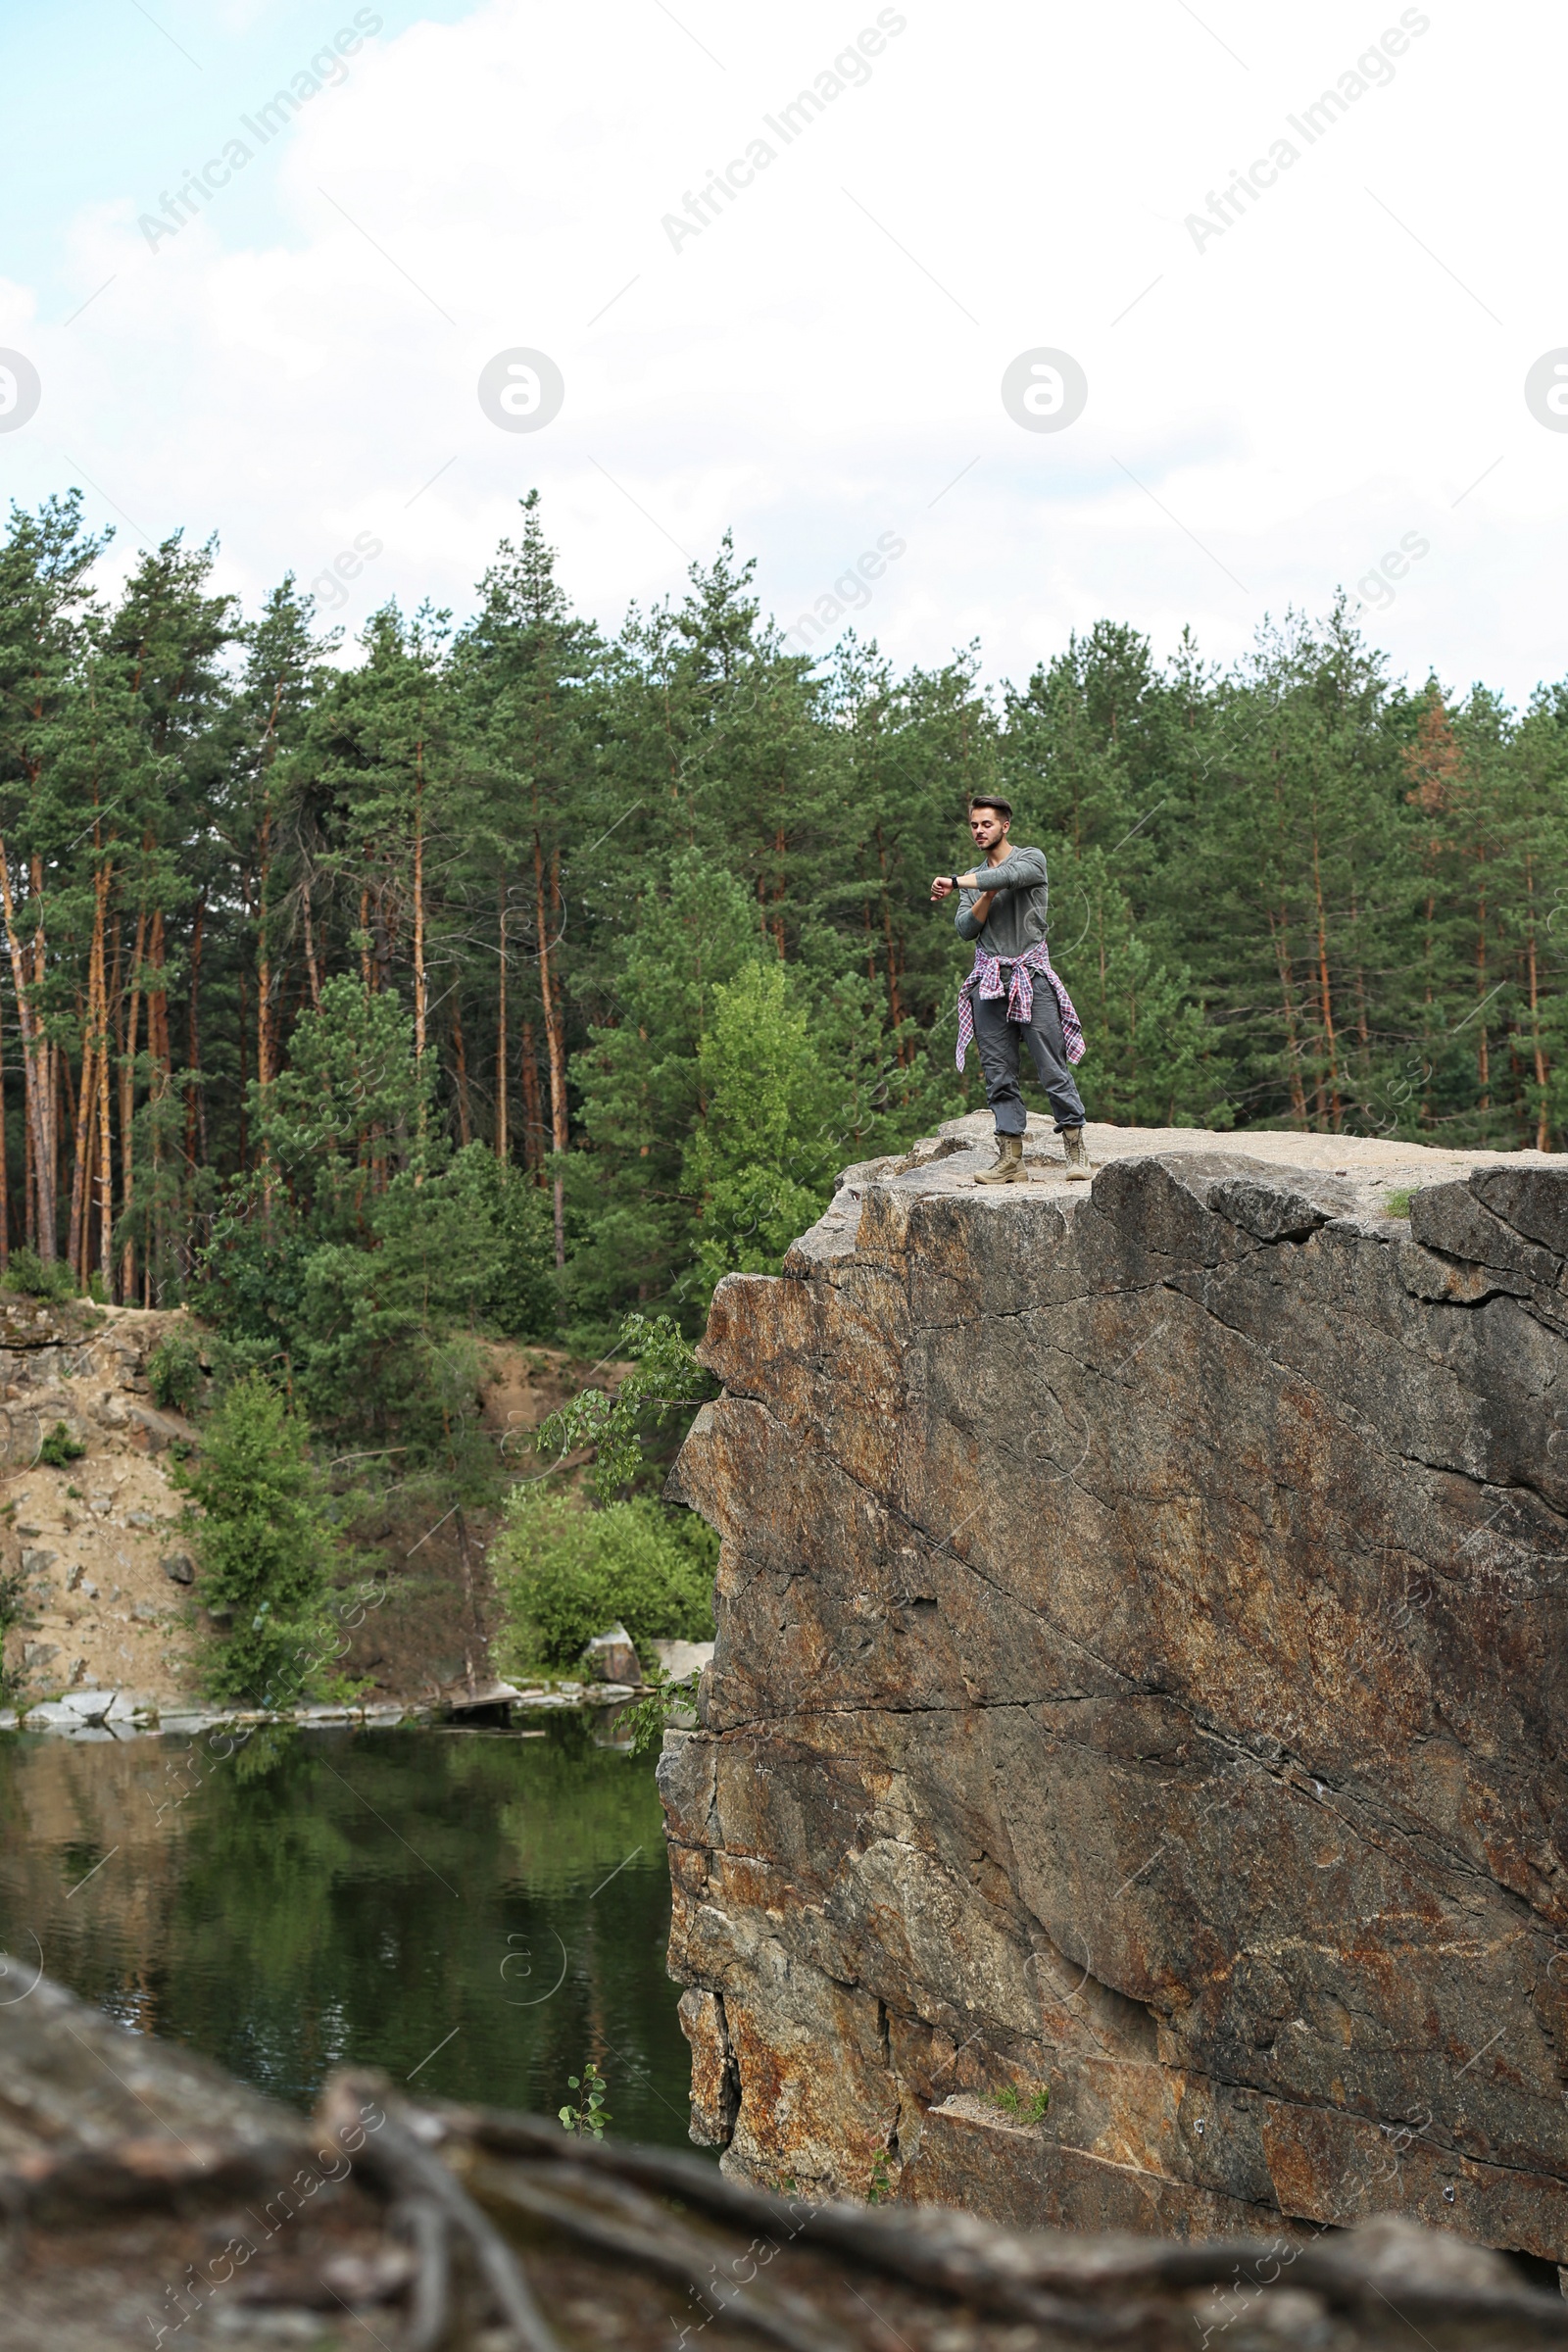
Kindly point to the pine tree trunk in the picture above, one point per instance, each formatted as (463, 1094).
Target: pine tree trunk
(82, 1266)
(56, 1055)
(1543, 1126)
(461, 1058)
(51, 1069)
(555, 1040)
(894, 1002)
(534, 1141)
(503, 1142)
(419, 1004)
(263, 943)
(311, 973)
(1278, 932)
(263, 959)
(5, 1174)
(94, 1053)
(128, 1110)
(1482, 1049)
(195, 1091)
(75, 1242)
(41, 1199)
(117, 1024)
(80, 1158)
(1426, 1016)
(244, 1074)
(1325, 994)
(158, 1098)
(105, 1167)
(1362, 1031)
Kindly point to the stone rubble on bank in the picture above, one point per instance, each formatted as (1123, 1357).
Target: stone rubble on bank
(122, 1714)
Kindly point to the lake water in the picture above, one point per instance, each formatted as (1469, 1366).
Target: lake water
(475, 1914)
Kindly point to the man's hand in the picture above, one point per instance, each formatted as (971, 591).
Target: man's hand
(942, 884)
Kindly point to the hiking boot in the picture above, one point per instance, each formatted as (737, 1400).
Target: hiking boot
(1009, 1167)
(1079, 1170)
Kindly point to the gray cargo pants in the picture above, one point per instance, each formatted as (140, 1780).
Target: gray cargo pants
(999, 1039)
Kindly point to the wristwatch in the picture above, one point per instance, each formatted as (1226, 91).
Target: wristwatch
(954, 879)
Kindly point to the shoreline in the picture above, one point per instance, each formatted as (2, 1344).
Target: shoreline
(117, 1714)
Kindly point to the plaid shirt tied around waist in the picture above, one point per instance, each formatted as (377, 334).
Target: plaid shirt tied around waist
(986, 980)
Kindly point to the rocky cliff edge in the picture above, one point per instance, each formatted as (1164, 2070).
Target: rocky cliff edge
(1141, 1685)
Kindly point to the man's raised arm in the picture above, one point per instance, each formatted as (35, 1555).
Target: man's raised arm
(1020, 869)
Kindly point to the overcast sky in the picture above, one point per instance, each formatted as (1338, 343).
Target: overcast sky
(1283, 389)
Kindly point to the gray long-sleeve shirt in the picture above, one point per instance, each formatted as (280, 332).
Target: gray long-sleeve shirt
(1017, 920)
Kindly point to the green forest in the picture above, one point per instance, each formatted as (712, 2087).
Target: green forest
(498, 974)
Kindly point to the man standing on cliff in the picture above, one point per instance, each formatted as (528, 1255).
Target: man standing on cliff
(1012, 994)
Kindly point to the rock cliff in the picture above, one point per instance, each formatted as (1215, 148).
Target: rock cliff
(90, 1545)
(1142, 1677)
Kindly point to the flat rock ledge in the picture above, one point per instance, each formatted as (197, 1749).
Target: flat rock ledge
(1129, 1791)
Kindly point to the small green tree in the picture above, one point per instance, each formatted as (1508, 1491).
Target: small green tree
(503, 1206)
(250, 1276)
(1154, 1055)
(567, 1571)
(641, 1086)
(592, 2115)
(263, 1548)
(29, 1274)
(174, 1372)
(361, 1253)
(763, 1161)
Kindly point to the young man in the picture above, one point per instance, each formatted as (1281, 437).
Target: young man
(1012, 994)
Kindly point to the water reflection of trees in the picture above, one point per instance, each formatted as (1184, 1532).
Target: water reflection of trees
(314, 1899)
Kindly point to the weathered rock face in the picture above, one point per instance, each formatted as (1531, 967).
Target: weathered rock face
(89, 1534)
(1143, 1675)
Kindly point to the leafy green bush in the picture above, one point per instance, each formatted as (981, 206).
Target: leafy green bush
(567, 1571)
(39, 1278)
(649, 1719)
(174, 1372)
(60, 1448)
(263, 1549)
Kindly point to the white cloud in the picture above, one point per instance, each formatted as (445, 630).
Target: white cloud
(1266, 420)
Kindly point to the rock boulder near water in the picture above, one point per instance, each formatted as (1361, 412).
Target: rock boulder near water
(1130, 1788)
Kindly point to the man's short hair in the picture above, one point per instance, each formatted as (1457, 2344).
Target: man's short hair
(990, 800)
